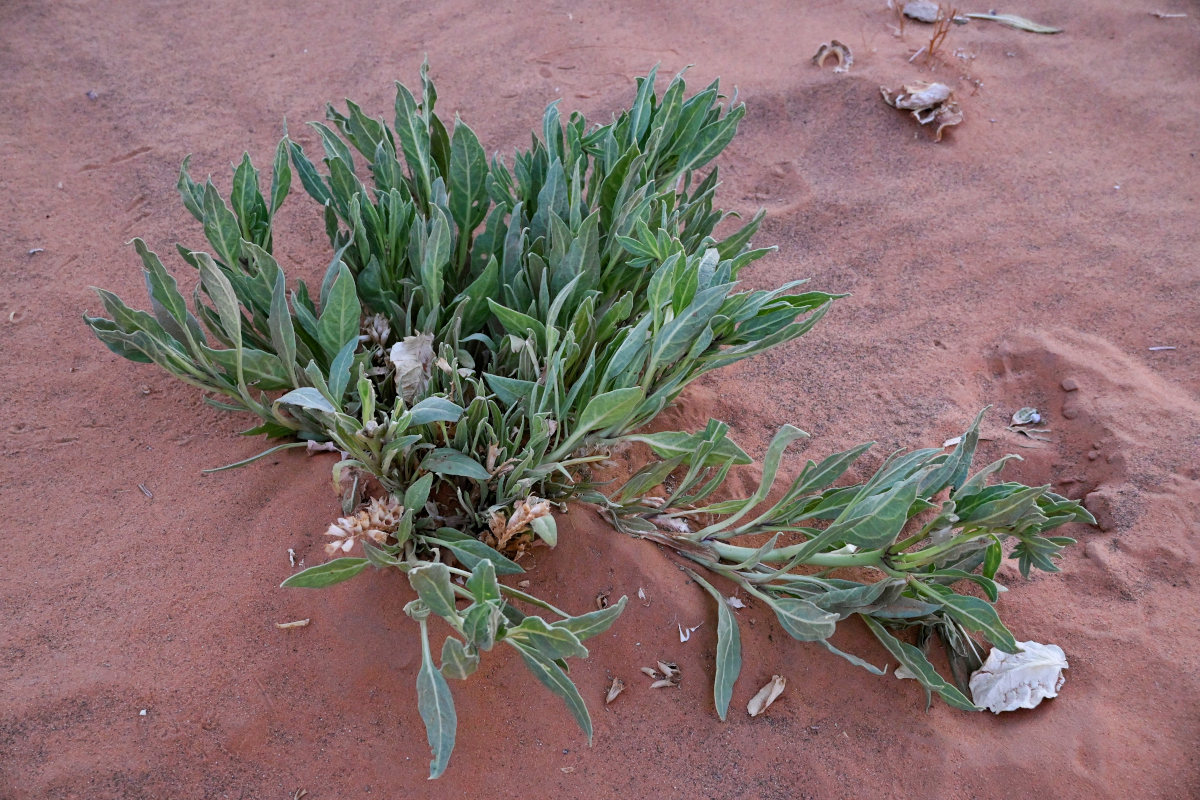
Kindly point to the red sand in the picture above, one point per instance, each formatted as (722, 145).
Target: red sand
(1051, 236)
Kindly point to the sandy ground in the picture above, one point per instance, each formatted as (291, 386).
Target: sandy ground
(1052, 236)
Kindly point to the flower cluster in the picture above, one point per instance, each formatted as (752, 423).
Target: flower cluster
(375, 522)
(525, 512)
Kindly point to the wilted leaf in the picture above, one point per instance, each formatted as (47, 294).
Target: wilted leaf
(412, 357)
(1013, 21)
(1026, 416)
(615, 689)
(1008, 681)
(766, 695)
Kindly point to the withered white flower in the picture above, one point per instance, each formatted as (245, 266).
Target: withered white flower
(412, 357)
(1009, 681)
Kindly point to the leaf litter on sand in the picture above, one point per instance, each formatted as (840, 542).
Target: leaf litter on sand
(1014, 21)
(767, 695)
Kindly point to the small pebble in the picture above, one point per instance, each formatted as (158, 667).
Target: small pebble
(1070, 413)
(1069, 385)
(91, 94)
(921, 10)
(1093, 455)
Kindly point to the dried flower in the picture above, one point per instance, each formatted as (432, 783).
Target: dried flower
(524, 513)
(376, 330)
(375, 522)
(412, 358)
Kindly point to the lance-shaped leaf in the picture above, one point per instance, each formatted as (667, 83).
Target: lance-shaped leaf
(436, 706)
(913, 660)
(802, 619)
(446, 461)
(972, 613)
(327, 574)
(729, 649)
(593, 623)
(551, 642)
(553, 678)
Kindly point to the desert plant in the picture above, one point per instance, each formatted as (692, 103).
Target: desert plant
(915, 547)
(484, 334)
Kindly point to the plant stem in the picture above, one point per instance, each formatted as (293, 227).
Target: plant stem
(865, 558)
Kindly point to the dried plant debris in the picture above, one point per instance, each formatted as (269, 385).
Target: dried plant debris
(1008, 681)
(839, 51)
(300, 623)
(1013, 21)
(665, 677)
(735, 602)
(922, 11)
(766, 695)
(412, 358)
(673, 524)
(615, 689)
(1026, 416)
(686, 633)
(929, 104)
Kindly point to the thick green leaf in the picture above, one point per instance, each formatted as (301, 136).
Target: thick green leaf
(802, 619)
(456, 661)
(308, 398)
(481, 621)
(436, 705)
(283, 333)
(671, 444)
(546, 529)
(482, 584)
(327, 574)
(432, 584)
(221, 227)
(608, 410)
(445, 461)
(468, 184)
(592, 623)
(974, 614)
(914, 660)
(729, 649)
(470, 551)
(553, 678)
(281, 176)
(434, 409)
(417, 493)
(340, 316)
(552, 642)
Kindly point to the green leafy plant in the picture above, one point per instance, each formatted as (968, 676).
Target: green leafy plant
(483, 334)
(917, 547)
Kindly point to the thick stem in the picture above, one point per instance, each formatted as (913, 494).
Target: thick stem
(865, 558)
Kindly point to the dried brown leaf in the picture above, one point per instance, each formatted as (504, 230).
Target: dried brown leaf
(617, 687)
